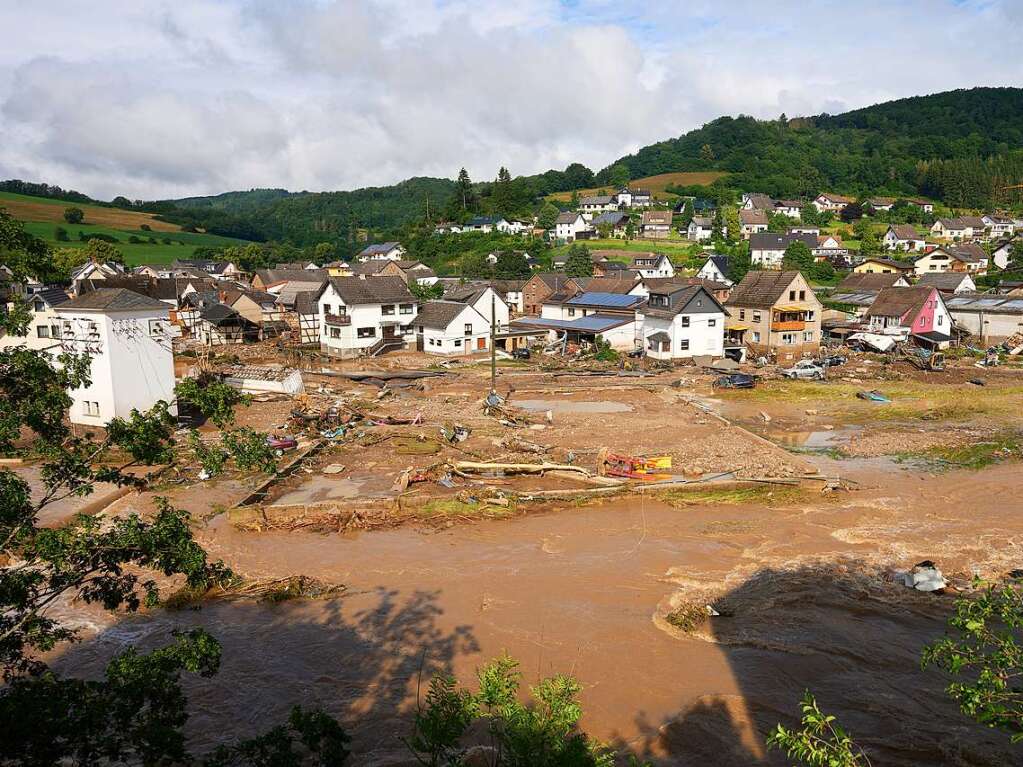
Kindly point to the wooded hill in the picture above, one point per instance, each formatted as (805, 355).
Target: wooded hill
(964, 148)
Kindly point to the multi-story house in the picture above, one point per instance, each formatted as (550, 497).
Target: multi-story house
(918, 312)
(365, 315)
(775, 312)
(568, 226)
(44, 328)
(127, 337)
(682, 321)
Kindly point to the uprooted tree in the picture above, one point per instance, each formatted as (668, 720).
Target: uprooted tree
(136, 712)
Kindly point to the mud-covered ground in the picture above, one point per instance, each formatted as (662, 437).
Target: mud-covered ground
(804, 579)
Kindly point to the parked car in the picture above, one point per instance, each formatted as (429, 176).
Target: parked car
(636, 353)
(804, 369)
(522, 353)
(834, 360)
(735, 381)
(280, 444)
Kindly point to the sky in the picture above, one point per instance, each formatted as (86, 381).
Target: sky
(168, 98)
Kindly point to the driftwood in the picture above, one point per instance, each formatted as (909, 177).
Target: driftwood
(471, 467)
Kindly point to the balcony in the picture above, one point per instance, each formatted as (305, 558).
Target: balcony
(784, 326)
(337, 319)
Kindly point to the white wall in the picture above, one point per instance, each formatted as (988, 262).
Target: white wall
(362, 316)
(705, 334)
(131, 368)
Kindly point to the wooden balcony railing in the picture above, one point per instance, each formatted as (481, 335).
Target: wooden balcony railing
(337, 319)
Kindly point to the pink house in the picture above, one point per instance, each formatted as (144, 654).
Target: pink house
(916, 312)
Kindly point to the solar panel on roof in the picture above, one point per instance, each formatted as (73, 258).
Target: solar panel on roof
(605, 299)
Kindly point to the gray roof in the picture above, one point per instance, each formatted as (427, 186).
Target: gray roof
(897, 302)
(568, 217)
(273, 276)
(857, 281)
(305, 302)
(439, 314)
(52, 296)
(380, 247)
(113, 300)
(372, 290)
(681, 300)
(761, 201)
(943, 280)
(598, 199)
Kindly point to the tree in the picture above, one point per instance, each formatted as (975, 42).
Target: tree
(548, 215)
(718, 225)
(545, 732)
(324, 253)
(136, 711)
(101, 251)
(686, 215)
(464, 189)
(706, 153)
(60, 234)
(851, 212)
(731, 214)
(798, 256)
(983, 652)
(511, 265)
(820, 742)
(618, 175)
(578, 263)
(74, 215)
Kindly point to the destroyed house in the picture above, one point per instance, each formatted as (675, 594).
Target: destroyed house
(917, 312)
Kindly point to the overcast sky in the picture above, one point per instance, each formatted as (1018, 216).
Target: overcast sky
(165, 98)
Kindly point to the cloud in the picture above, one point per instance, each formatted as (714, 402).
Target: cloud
(159, 98)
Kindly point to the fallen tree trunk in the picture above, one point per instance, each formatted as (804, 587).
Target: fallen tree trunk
(473, 467)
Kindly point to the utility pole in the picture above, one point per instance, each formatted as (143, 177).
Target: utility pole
(493, 343)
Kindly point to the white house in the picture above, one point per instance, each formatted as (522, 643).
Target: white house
(715, 269)
(641, 198)
(700, 228)
(624, 197)
(450, 327)
(682, 322)
(127, 336)
(767, 249)
(951, 229)
(1001, 255)
(924, 205)
(365, 315)
(999, 227)
(485, 224)
(569, 224)
(652, 265)
(752, 221)
(790, 208)
(44, 328)
(91, 270)
(601, 203)
(756, 201)
(903, 237)
(832, 203)
(390, 251)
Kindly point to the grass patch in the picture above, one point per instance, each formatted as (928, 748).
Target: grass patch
(978, 455)
(28, 208)
(655, 184)
(771, 495)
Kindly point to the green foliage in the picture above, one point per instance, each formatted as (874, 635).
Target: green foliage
(212, 458)
(578, 262)
(548, 214)
(60, 234)
(250, 451)
(309, 737)
(511, 265)
(820, 742)
(982, 651)
(426, 292)
(74, 215)
(798, 256)
(604, 352)
(541, 734)
(212, 397)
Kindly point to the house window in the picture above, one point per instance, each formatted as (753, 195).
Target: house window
(808, 336)
(39, 306)
(405, 309)
(571, 312)
(788, 338)
(458, 342)
(42, 331)
(326, 309)
(712, 322)
(756, 316)
(468, 328)
(335, 332)
(756, 336)
(923, 321)
(90, 408)
(941, 319)
(792, 295)
(742, 314)
(684, 344)
(366, 333)
(802, 295)
(685, 321)
(387, 309)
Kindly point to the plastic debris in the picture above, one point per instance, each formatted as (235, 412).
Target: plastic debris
(925, 576)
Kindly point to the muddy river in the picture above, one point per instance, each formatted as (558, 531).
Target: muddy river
(576, 591)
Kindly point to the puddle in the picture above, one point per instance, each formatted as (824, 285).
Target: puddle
(812, 440)
(569, 406)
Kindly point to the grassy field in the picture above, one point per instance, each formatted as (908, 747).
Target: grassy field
(655, 184)
(677, 251)
(42, 216)
(44, 209)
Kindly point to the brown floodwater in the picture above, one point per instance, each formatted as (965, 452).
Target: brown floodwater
(577, 591)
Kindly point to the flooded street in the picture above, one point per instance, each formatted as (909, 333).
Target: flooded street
(580, 591)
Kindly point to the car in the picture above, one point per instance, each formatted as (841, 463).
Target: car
(521, 353)
(804, 369)
(735, 381)
(636, 353)
(280, 444)
(834, 360)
